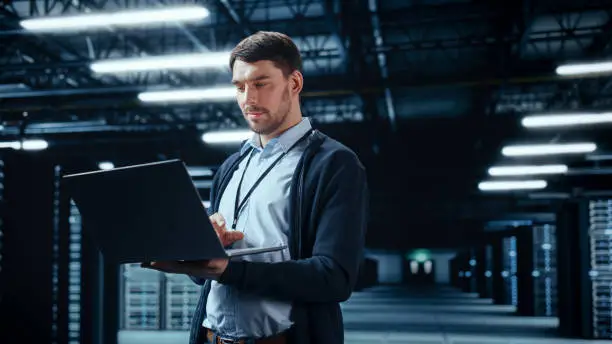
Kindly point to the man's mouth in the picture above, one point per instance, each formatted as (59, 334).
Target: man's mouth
(254, 114)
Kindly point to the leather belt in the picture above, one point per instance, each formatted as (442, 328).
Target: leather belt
(277, 339)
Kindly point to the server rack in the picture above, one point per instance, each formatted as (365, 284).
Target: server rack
(488, 270)
(510, 266)
(453, 272)
(181, 300)
(481, 279)
(545, 270)
(74, 275)
(472, 271)
(498, 281)
(600, 244)
(55, 259)
(1, 225)
(573, 301)
(152, 300)
(465, 274)
(141, 298)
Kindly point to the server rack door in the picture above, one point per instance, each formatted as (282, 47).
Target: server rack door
(488, 271)
(2, 229)
(473, 272)
(480, 272)
(181, 299)
(600, 259)
(525, 271)
(571, 293)
(545, 270)
(509, 270)
(141, 298)
(498, 278)
(153, 301)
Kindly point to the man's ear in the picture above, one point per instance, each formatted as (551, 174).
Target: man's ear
(296, 81)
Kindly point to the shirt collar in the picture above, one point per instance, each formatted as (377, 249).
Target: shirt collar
(284, 140)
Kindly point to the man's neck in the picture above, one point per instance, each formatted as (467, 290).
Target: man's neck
(264, 139)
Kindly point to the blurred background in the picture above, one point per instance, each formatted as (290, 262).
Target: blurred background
(485, 128)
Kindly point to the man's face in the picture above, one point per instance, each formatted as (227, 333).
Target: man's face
(263, 94)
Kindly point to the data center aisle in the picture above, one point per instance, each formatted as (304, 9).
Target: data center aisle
(432, 315)
(440, 315)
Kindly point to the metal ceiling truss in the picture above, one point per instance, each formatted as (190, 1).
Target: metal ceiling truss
(354, 55)
(34, 51)
(421, 36)
(589, 94)
(62, 69)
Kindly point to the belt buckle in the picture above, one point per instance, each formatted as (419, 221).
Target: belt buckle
(221, 340)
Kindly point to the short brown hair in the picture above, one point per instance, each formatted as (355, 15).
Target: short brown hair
(272, 46)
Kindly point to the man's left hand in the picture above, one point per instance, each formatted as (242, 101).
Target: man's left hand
(208, 269)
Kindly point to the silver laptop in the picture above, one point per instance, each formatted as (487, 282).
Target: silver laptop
(148, 212)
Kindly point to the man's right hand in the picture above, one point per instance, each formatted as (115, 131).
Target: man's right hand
(227, 237)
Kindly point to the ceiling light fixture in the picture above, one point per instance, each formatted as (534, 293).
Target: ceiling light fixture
(543, 121)
(195, 95)
(549, 149)
(527, 170)
(512, 185)
(117, 19)
(169, 62)
(584, 68)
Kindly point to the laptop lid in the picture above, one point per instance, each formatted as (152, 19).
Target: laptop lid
(144, 213)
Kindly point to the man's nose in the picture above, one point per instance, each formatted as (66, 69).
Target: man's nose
(250, 95)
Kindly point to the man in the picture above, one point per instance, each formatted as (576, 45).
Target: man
(289, 185)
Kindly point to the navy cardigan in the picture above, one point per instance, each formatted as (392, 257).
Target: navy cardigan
(329, 211)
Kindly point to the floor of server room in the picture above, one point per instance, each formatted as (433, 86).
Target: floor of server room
(441, 315)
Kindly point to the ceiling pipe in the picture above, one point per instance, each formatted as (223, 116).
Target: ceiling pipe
(15, 130)
(599, 157)
(549, 195)
(589, 171)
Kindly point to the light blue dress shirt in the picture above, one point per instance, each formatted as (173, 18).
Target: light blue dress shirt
(265, 222)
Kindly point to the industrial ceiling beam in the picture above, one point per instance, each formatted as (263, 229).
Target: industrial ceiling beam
(526, 24)
(381, 58)
(328, 85)
(602, 41)
(332, 21)
(229, 11)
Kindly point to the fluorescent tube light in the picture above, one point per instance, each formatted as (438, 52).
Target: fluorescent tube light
(227, 136)
(584, 68)
(11, 144)
(512, 185)
(599, 157)
(221, 93)
(116, 19)
(34, 144)
(186, 61)
(548, 149)
(25, 144)
(566, 120)
(106, 165)
(527, 170)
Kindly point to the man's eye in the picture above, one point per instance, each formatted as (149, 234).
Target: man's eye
(240, 89)
(260, 85)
